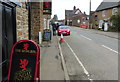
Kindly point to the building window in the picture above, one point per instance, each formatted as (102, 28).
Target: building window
(87, 18)
(104, 13)
(78, 21)
(96, 16)
(114, 11)
(83, 19)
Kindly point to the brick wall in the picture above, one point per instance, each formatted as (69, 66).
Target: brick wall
(22, 22)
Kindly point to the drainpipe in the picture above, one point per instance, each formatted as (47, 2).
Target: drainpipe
(29, 19)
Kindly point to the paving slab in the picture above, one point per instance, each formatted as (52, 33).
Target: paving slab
(51, 67)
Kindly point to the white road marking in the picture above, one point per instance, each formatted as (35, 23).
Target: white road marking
(85, 71)
(64, 66)
(63, 62)
(86, 37)
(110, 49)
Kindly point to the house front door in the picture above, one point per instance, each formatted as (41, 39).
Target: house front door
(8, 35)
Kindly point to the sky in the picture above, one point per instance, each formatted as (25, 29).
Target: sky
(59, 6)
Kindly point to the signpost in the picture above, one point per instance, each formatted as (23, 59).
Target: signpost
(24, 62)
(47, 35)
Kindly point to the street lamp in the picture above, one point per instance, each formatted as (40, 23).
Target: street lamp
(90, 15)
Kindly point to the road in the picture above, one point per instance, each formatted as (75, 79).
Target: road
(90, 56)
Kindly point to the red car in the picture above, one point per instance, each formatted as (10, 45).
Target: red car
(84, 26)
(64, 30)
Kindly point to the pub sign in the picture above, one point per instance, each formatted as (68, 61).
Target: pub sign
(24, 61)
(47, 8)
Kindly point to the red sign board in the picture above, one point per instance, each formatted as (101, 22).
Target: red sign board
(47, 5)
(47, 8)
(24, 62)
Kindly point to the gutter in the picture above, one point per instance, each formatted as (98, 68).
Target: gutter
(16, 2)
(106, 9)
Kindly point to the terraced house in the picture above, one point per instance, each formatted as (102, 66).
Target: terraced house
(103, 13)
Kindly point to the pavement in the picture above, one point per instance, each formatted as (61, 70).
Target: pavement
(51, 66)
(109, 34)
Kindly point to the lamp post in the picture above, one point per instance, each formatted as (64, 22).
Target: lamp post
(90, 15)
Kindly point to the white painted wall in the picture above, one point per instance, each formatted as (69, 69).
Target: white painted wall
(40, 37)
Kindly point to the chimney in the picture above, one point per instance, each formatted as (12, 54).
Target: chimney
(119, 3)
(85, 13)
(74, 8)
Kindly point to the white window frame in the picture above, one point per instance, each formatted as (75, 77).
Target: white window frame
(114, 11)
(103, 13)
(78, 21)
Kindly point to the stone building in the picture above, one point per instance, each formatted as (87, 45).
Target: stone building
(21, 20)
(79, 18)
(75, 17)
(39, 19)
(36, 20)
(93, 19)
(68, 17)
(47, 11)
(103, 13)
(14, 25)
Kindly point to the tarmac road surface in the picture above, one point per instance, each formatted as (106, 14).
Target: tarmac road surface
(90, 56)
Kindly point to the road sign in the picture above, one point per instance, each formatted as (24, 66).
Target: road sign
(24, 61)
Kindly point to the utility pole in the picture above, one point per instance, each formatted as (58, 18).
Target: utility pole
(90, 15)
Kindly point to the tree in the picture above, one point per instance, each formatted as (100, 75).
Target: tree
(115, 19)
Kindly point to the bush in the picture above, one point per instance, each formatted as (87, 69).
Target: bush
(113, 29)
(115, 19)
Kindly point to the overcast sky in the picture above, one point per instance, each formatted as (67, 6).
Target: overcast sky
(59, 6)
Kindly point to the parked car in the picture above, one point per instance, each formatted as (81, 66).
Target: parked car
(84, 26)
(64, 30)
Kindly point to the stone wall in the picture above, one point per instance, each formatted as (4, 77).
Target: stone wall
(108, 14)
(100, 17)
(36, 20)
(75, 21)
(22, 22)
(119, 9)
(93, 20)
